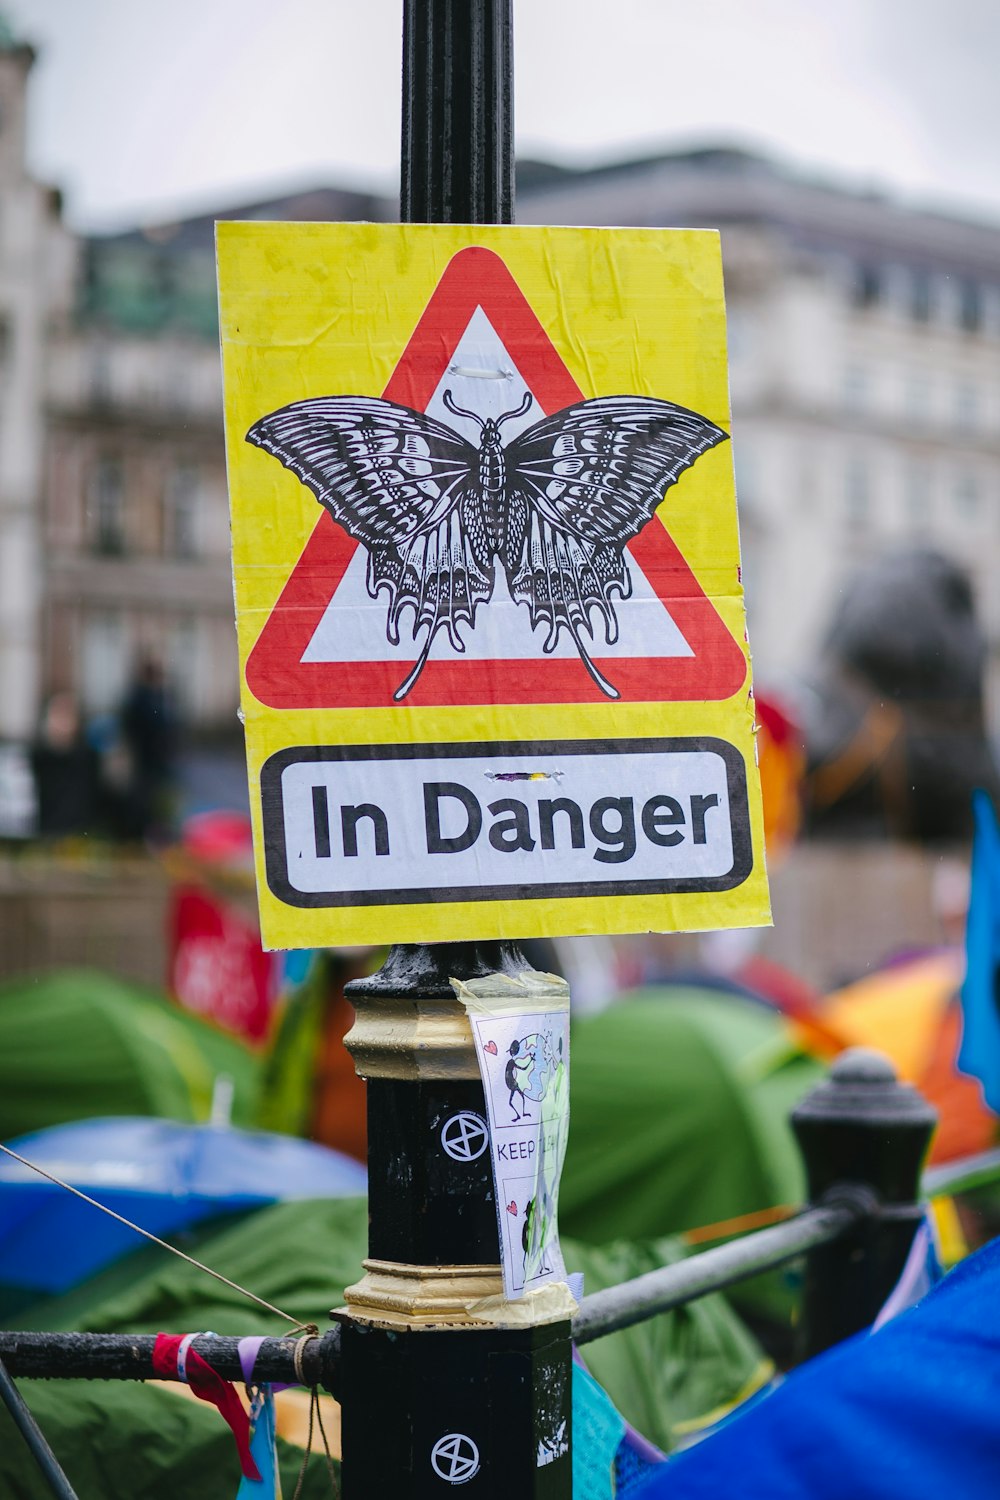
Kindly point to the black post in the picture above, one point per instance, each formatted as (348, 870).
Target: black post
(458, 109)
(434, 1391)
(435, 1394)
(425, 1205)
(863, 1136)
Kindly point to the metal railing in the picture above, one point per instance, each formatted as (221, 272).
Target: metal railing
(113, 1356)
(727, 1265)
(710, 1271)
(962, 1176)
(862, 1135)
(129, 1356)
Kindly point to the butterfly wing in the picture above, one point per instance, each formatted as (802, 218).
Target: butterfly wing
(581, 484)
(402, 484)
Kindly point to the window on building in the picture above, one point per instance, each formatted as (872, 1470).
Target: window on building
(917, 397)
(966, 405)
(184, 665)
(967, 495)
(104, 662)
(866, 285)
(736, 332)
(180, 512)
(970, 306)
(989, 301)
(857, 388)
(918, 494)
(745, 467)
(920, 296)
(858, 491)
(101, 382)
(174, 383)
(107, 508)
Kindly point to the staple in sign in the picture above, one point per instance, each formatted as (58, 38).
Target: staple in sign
(474, 374)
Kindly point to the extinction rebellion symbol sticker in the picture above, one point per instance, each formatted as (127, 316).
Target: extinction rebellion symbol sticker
(465, 1137)
(455, 1458)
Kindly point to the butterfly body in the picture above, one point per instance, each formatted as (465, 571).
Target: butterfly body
(492, 469)
(485, 504)
(555, 507)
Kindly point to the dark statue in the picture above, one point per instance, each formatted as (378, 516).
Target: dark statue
(894, 726)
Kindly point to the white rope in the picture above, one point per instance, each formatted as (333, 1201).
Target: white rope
(155, 1238)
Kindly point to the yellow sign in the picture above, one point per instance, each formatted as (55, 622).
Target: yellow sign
(494, 667)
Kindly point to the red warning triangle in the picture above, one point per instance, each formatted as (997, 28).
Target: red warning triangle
(282, 670)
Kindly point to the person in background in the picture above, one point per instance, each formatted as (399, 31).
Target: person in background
(66, 770)
(149, 733)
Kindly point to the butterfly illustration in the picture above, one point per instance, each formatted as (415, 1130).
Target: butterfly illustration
(556, 506)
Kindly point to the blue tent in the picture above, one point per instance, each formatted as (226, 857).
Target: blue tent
(163, 1175)
(911, 1412)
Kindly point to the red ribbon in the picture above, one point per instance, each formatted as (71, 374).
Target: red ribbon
(207, 1385)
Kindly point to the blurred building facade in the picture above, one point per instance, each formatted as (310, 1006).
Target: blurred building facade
(865, 376)
(38, 258)
(137, 513)
(865, 367)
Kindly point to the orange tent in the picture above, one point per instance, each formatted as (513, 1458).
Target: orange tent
(910, 1011)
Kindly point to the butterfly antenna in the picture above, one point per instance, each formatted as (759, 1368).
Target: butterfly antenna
(526, 401)
(418, 667)
(606, 687)
(460, 411)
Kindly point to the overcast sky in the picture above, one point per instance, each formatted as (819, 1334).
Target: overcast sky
(141, 109)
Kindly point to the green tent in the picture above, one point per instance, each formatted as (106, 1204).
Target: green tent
(122, 1439)
(679, 1115)
(672, 1374)
(77, 1043)
(679, 1111)
(680, 1099)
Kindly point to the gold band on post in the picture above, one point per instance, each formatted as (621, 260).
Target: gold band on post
(407, 1039)
(392, 1292)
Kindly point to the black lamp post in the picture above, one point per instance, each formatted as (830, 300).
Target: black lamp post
(435, 1394)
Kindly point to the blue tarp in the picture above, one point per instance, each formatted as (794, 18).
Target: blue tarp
(163, 1175)
(980, 1050)
(911, 1412)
